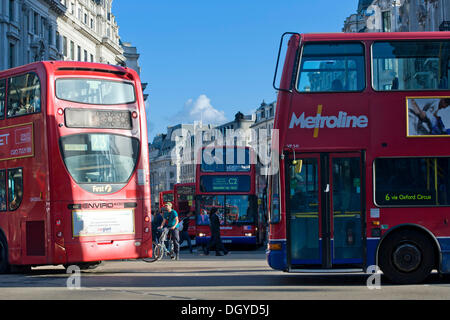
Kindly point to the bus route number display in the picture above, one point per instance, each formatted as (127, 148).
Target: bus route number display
(16, 142)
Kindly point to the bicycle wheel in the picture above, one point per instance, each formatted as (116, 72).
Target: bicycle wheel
(158, 253)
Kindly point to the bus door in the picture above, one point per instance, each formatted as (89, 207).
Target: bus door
(324, 211)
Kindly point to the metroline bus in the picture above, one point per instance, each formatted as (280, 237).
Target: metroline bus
(184, 203)
(74, 177)
(364, 155)
(226, 181)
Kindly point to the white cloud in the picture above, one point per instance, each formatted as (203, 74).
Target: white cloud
(200, 109)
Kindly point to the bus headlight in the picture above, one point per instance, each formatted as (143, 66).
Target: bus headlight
(248, 234)
(201, 234)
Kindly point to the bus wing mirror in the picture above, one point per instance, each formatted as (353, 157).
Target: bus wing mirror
(278, 88)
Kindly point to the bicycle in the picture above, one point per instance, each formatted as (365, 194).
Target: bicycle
(160, 249)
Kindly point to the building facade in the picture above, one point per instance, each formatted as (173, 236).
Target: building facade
(78, 30)
(399, 16)
(173, 156)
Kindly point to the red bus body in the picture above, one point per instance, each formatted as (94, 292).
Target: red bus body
(165, 196)
(184, 203)
(60, 220)
(334, 207)
(233, 193)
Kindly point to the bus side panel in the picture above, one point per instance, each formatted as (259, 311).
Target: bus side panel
(29, 227)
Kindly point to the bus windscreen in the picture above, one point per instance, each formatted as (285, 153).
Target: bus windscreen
(95, 91)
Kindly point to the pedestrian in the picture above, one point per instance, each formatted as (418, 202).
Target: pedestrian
(216, 240)
(184, 232)
(157, 219)
(171, 219)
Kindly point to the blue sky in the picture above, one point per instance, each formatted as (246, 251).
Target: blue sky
(211, 59)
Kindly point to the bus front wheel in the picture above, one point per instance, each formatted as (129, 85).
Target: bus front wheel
(407, 257)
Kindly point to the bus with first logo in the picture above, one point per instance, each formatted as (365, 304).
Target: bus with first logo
(74, 169)
(364, 172)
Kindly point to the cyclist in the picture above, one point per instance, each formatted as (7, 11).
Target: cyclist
(171, 219)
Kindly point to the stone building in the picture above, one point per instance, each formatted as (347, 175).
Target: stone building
(79, 30)
(399, 16)
(263, 126)
(171, 164)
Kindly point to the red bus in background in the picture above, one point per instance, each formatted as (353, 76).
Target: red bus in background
(364, 176)
(184, 203)
(165, 196)
(74, 177)
(230, 187)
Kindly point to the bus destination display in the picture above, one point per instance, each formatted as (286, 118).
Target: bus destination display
(103, 119)
(221, 183)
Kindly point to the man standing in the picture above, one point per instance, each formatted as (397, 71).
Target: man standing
(171, 219)
(215, 240)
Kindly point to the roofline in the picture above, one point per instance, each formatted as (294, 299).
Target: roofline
(65, 65)
(372, 36)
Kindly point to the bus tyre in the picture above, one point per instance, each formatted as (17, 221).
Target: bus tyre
(4, 264)
(407, 257)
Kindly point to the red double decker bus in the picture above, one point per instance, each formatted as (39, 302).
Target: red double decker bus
(364, 176)
(74, 176)
(226, 181)
(184, 203)
(165, 196)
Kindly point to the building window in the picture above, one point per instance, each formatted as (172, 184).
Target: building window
(36, 23)
(72, 50)
(58, 41)
(50, 35)
(11, 10)
(11, 55)
(386, 19)
(79, 53)
(85, 56)
(65, 46)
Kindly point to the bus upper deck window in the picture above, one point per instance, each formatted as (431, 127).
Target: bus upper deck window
(24, 95)
(410, 65)
(335, 67)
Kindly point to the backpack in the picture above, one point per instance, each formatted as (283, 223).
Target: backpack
(180, 225)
